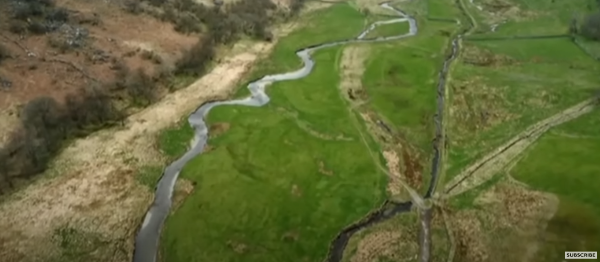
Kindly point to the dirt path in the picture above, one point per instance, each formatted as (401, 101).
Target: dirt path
(494, 162)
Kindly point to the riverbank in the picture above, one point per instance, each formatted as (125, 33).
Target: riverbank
(91, 198)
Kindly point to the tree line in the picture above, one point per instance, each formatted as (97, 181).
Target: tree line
(46, 124)
(219, 25)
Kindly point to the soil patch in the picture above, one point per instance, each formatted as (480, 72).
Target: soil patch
(474, 55)
(476, 107)
(217, 129)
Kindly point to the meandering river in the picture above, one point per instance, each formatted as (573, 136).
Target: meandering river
(148, 237)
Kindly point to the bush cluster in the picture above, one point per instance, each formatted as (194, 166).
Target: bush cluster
(36, 16)
(4, 52)
(45, 125)
(590, 28)
(223, 25)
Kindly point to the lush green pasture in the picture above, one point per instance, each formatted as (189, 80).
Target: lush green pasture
(565, 162)
(401, 77)
(389, 30)
(443, 9)
(529, 17)
(491, 104)
(287, 177)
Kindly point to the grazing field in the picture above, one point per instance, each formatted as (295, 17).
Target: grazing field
(564, 162)
(400, 81)
(279, 182)
(499, 88)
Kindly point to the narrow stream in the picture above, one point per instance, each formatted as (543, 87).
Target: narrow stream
(148, 237)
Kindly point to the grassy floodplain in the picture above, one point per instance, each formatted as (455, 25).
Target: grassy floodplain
(400, 80)
(564, 162)
(284, 179)
(389, 30)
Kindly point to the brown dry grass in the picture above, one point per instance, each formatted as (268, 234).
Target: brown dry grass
(502, 10)
(183, 188)
(376, 245)
(396, 240)
(474, 55)
(476, 107)
(505, 226)
(217, 129)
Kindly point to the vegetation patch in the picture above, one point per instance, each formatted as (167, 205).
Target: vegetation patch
(149, 176)
(384, 30)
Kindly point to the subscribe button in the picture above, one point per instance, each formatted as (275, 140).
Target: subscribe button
(581, 255)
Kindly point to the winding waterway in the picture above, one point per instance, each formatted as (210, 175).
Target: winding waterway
(147, 239)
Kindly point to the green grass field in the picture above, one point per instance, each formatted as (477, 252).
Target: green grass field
(564, 162)
(389, 30)
(443, 9)
(490, 104)
(400, 79)
(280, 183)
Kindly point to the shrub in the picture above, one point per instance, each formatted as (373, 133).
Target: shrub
(591, 27)
(140, 88)
(45, 125)
(4, 52)
(195, 60)
(37, 28)
(17, 27)
(58, 15)
(132, 6)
